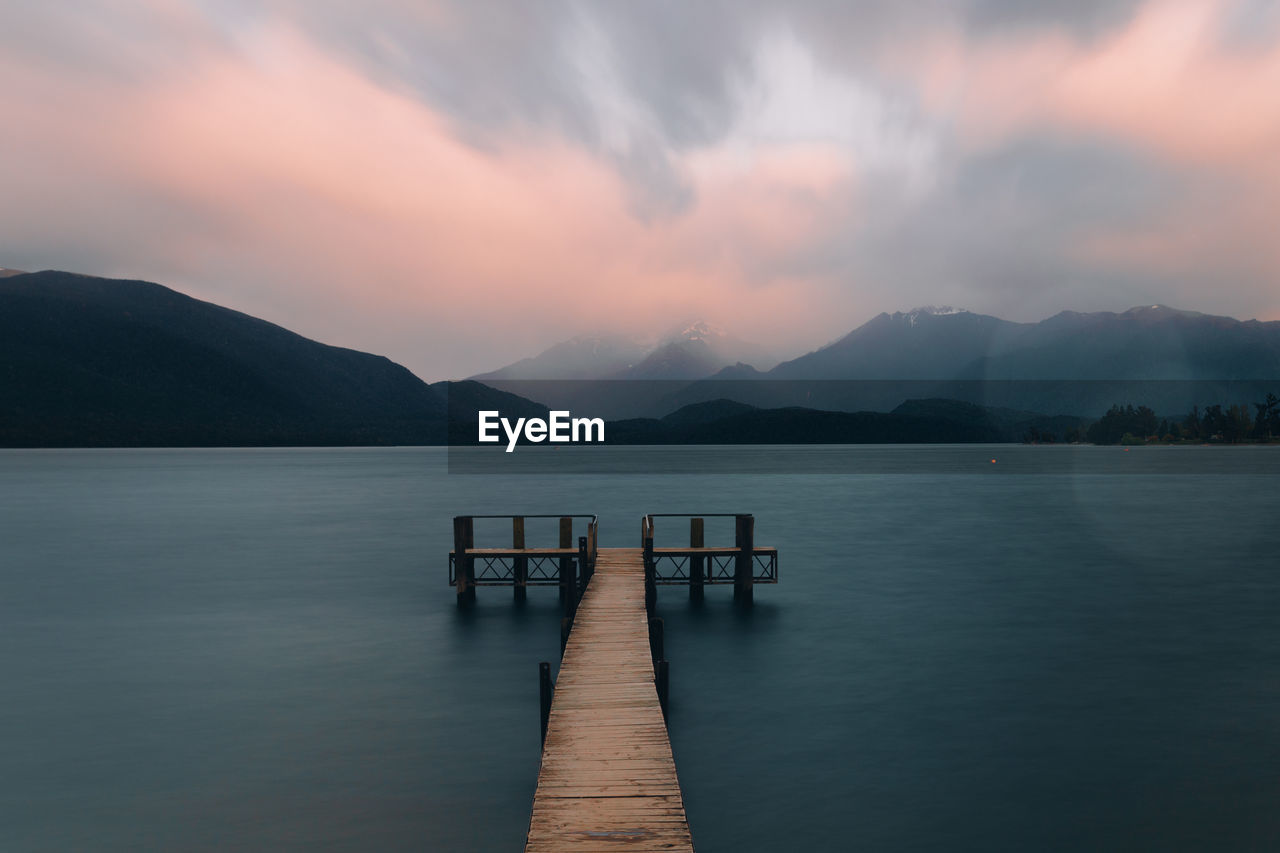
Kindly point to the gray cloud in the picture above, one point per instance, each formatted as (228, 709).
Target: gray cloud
(106, 40)
(1084, 19)
(641, 83)
(1001, 232)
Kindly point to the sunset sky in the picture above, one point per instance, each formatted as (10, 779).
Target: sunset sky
(457, 185)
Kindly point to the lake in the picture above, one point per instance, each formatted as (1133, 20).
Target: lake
(258, 650)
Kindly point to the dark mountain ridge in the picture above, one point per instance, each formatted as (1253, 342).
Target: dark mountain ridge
(912, 422)
(88, 361)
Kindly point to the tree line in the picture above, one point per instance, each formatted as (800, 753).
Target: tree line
(1231, 424)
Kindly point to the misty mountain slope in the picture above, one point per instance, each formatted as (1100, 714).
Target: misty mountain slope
(93, 361)
(920, 344)
(583, 357)
(1149, 342)
(695, 351)
(690, 351)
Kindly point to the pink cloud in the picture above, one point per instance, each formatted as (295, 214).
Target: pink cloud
(353, 213)
(1165, 82)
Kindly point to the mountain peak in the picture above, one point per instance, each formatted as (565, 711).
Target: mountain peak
(586, 356)
(1160, 311)
(692, 350)
(698, 330)
(913, 316)
(936, 310)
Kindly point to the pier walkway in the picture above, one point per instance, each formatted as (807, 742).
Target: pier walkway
(608, 779)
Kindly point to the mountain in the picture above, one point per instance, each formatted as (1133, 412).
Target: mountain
(691, 351)
(90, 361)
(1073, 363)
(707, 412)
(1145, 343)
(585, 357)
(921, 344)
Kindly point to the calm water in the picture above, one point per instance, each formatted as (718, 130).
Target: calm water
(257, 650)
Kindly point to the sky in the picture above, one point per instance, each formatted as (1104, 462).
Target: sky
(456, 185)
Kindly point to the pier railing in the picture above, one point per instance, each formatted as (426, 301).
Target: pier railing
(743, 564)
(568, 565)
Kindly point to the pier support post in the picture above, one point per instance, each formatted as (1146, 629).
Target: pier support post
(743, 570)
(566, 625)
(569, 586)
(464, 565)
(650, 573)
(695, 562)
(583, 568)
(520, 565)
(566, 563)
(655, 639)
(662, 682)
(545, 691)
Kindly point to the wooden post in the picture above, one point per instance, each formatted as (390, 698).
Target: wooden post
(655, 639)
(650, 573)
(570, 581)
(566, 541)
(520, 565)
(566, 625)
(463, 564)
(661, 680)
(470, 562)
(545, 691)
(744, 570)
(695, 562)
(459, 556)
(581, 566)
(592, 546)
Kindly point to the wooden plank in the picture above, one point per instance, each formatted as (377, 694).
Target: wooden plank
(522, 552)
(608, 778)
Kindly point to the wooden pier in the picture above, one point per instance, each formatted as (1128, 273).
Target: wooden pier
(608, 778)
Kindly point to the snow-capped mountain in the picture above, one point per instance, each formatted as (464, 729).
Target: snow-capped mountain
(691, 350)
